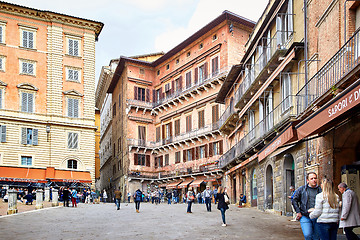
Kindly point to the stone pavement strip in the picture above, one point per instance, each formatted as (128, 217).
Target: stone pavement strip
(103, 221)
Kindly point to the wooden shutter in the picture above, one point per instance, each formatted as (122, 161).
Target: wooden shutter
(147, 160)
(163, 132)
(154, 95)
(147, 97)
(158, 134)
(221, 147)
(193, 154)
(197, 151)
(184, 155)
(35, 136)
(135, 159)
(206, 70)
(70, 137)
(180, 83)
(25, 38)
(206, 150)
(196, 75)
(76, 108)
(161, 161)
(172, 86)
(135, 93)
(3, 133)
(210, 149)
(76, 48)
(24, 102)
(23, 136)
(170, 128)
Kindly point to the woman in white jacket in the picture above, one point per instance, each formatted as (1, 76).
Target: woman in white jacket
(327, 210)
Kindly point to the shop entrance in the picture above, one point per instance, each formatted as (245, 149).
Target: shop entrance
(289, 180)
(253, 188)
(269, 188)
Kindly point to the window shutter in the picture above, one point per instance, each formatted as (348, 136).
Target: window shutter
(35, 136)
(180, 83)
(210, 149)
(221, 147)
(31, 40)
(154, 96)
(30, 102)
(76, 75)
(1, 34)
(163, 132)
(30, 68)
(161, 161)
(70, 107)
(184, 155)
(135, 159)
(76, 107)
(135, 93)
(171, 133)
(76, 48)
(196, 75)
(70, 141)
(197, 151)
(193, 154)
(23, 135)
(206, 150)
(3, 133)
(71, 47)
(24, 102)
(157, 134)
(25, 36)
(0, 96)
(161, 93)
(148, 160)
(75, 141)
(147, 95)
(206, 70)
(172, 86)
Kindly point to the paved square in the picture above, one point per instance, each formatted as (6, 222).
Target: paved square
(103, 221)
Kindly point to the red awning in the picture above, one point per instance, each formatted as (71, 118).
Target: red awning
(286, 136)
(196, 183)
(186, 182)
(337, 107)
(173, 184)
(20, 174)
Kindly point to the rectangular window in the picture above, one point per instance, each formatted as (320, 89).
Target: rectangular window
(141, 159)
(139, 94)
(177, 127)
(73, 47)
(215, 148)
(215, 113)
(73, 107)
(201, 76)
(27, 68)
(119, 145)
(201, 117)
(188, 79)
(119, 165)
(73, 75)
(202, 152)
(168, 131)
(1, 98)
(73, 140)
(177, 157)
(28, 39)
(188, 123)
(189, 155)
(2, 63)
(114, 110)
(166, 159)
(2, 33)
(157, 134)
(142, 135)
(29, 136)
(25, 160)
(27, 102)
(215, 66)
(72, 164)
(2, 133)
(178, 83)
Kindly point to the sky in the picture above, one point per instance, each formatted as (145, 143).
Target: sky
(137, 27)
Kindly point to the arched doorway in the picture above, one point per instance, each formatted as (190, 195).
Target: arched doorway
(289, 166)
(269, 188)
(254, 188)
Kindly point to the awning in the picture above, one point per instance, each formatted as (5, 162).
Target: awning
(173, 184)
(240, 165)
(286, 136)
(21, 174)
(280, 150)
(196, 183)
(185, 183)
(340, 105)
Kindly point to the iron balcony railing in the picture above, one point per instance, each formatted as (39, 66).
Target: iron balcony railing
(344, 61)
(280, 114)
(140, 103)
(140, 143)
(192, 86)
(252, 71)
(227, 113)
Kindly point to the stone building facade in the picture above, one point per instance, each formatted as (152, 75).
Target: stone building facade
(47, 91)
(165, 129)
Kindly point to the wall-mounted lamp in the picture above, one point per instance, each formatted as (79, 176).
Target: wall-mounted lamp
(47, 131)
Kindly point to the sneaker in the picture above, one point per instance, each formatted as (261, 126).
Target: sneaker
(223, 225)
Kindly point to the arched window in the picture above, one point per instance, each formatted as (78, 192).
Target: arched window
(72, 164)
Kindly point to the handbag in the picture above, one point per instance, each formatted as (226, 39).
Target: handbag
(227, 200)
(191, 197)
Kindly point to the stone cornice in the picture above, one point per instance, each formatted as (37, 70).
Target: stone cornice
(27, 86)
(73, 92)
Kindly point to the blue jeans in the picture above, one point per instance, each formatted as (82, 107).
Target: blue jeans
(208, 204)
(117, 202)
(328, 231)
(169, 200)
(223, 214)
(189, 206)
(309, 228)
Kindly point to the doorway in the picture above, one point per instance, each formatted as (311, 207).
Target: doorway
(269, 188)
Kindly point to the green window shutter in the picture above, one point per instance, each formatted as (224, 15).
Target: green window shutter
(35, 136)
(23, 136)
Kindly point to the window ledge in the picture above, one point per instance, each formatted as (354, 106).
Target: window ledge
(73, 56)
(29, 49)
(28, 74)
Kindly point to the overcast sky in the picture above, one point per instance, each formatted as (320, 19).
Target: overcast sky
(136, 27)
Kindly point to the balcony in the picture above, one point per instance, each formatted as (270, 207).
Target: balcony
(332, 77)
(140, 143)
(202, 85)
(266, 129)
(228, 119)
(137, 104)
(255, 74)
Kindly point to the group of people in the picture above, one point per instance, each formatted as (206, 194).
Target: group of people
(321, 211)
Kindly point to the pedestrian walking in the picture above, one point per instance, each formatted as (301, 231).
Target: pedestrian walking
(304, 199)
(190, 196)
(350, 214)
(105, 196)
(208, 195)
(117, 194)
(169, 197)
(137, 199)
(215, 193)
(129, 196)
(222, 204)
(291, 196)
(199, 197)
(66, 195)
(73, 197)
(327, 210)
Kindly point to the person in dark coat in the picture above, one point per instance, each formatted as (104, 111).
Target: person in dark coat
(222, 205)
(66, 194)
(137, 199)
